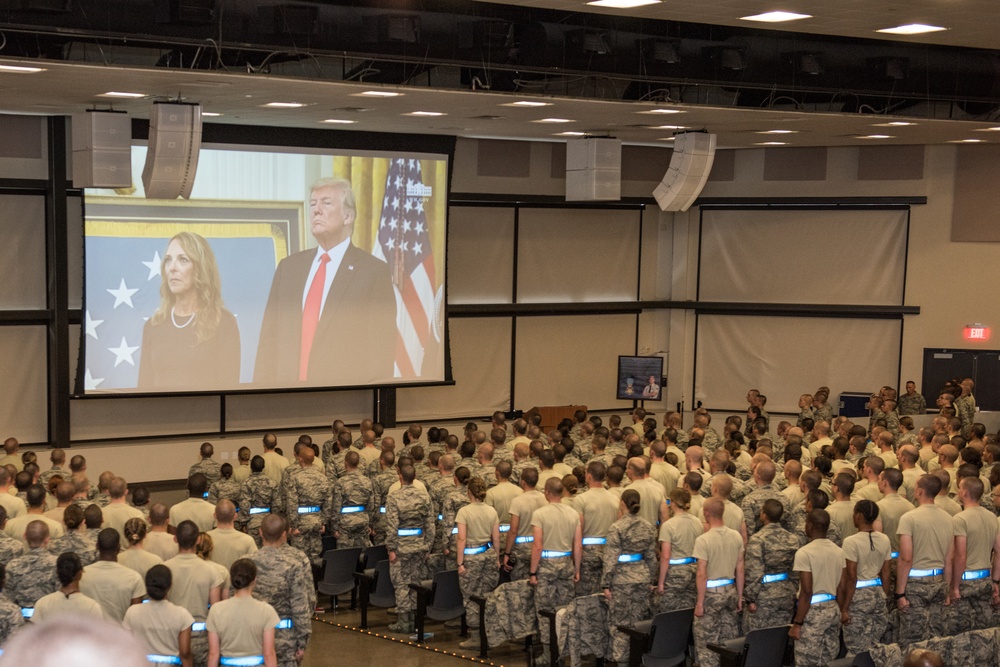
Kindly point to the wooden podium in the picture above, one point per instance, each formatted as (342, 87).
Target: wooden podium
(553, 414)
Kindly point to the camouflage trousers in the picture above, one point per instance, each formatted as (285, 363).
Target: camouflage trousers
(253, 529)
(199, 648)
(480, 578)
(357, 538)
(523, 566)
(925, 617)
(284, 647)
(775, 606)
(679, 591)
(381, 530)
(554, 590)
(819, 641)
(869, 619)
(974, 609)
(630, 603)
(591, 567)
(408, 569)
(720, 622)
(310, 540)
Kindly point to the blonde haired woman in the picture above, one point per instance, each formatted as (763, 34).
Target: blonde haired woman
(191, 341)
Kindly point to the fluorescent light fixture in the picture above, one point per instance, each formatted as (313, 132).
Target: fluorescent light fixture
(527, 103)
(425, 113)
(988, 129)
(661, 111)
(554, 120)
(115, 93)
(772, 143)
(875, 136)
(966, 141)
(666, 138)
(338, 121)
(911, 29)
(669, 127)
(622, 4)
(777, 132)
(210, 114)
(776, 17)
(895, 123)
(20, 69)
(284, 105)
(570, 134)
(378, 93)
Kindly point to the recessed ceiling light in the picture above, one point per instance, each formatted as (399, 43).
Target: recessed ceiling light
(776, 17)
(911, 29)
(895, 123)
(527, 103)
(284, 105)
(339, 121)
(966, 141)
(210, 114)
(425, 113)
(554, 120)
(875, 136)
(570, 134)
(669, 127)
(772, 143)
(115, 93)
(988, 129)
(666, 138)
(777, 132)
(622, 4)
(20, 69)
(378, 93)
(662, 111)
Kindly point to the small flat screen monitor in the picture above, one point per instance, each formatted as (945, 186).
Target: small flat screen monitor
(639, 378)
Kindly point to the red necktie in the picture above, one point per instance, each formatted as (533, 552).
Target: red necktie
(310, 314)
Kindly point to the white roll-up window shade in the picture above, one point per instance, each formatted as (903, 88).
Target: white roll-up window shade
(23, 405)
(785, 357)
(803, 256)
(480, 255)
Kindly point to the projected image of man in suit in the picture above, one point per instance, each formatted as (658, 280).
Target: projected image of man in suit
(330, 317)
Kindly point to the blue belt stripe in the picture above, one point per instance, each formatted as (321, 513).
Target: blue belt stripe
(198, 626)
(820, 598)
(973, 575)
(163, 659)
(309, 509)
(683, 561)
(248, 661)
(926, 573)
(524, 539)
(868, 583)
(285, 624)
(381, 510)
(350, 509)
(593, 541)
(717, 583)
(894, 555)
(475, 551)
(260, 510)
(504, 527)
(556, 554)
(27, 612)
(410, 532)
(772, 578)
(629, 558)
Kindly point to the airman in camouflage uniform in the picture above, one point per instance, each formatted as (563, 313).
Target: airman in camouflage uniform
(965, 408)
(912, 404)
(10, 614)
(386, 477)
(629, 566)
(676, 582)
(257, 499)
(720, 559)
(75, 539)
(816, 625)
(9, 547)
(309, 490)
(207, 466)
(32, 575)
(754, 501)
(284, 581)
(770, 551)
(350, 492)
(225, 488)
(408, 511)
(456, 499)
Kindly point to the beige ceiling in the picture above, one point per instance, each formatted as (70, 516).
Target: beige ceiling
(974, 23)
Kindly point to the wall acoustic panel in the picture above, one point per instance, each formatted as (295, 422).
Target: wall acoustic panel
(23, 405)
(22, 253)
(577, 255)
(785, 357)
(480, 255)
(811, 256)
(571, 360)
(480, 360)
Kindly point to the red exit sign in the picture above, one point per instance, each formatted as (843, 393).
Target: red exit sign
(976, 332)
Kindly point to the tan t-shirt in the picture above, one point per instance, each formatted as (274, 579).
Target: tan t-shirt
(139, 560)
(54, 604)
(157, 623)
(842, 513)
(721, 548)
(869, 554)
(825, 560)
(979, 527)
(113, 586)
(558, 522)
(162, 544)
(274, 465)
(500, 497)
(198, 510)
(117, 514)
(931, 530)
(479, 520)
(16, 527)
(15, 506)
(523, 507)
(229, 545)
(948, 505)
(666, 474)
(681, 531)
(193, 581)
(240, 624)
(732, 515)
(599, 509)
(890, 509)
(651, 498)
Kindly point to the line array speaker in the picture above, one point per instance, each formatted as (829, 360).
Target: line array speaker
(593, 170)
(174, 144)
(102, 150)
(690, 165)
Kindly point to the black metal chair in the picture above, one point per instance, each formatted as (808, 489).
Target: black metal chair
(760, 648)
(339, 566)
(372, 556)
(863, 659)
(439, 600)
(375, 589)
(661, 642)
(329, 543)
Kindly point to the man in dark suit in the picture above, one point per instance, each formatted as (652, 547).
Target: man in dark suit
(330, 318)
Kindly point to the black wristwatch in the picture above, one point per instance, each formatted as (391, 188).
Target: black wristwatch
(532, 574)
(900, 596)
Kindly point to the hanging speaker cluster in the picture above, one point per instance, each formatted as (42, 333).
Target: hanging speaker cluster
(102, 150)
(174, 144)
(690, 165)
(594, 169)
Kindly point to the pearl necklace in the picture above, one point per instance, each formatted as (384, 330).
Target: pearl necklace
(181, 326)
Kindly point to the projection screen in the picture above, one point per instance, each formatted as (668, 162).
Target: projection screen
(284, 270)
